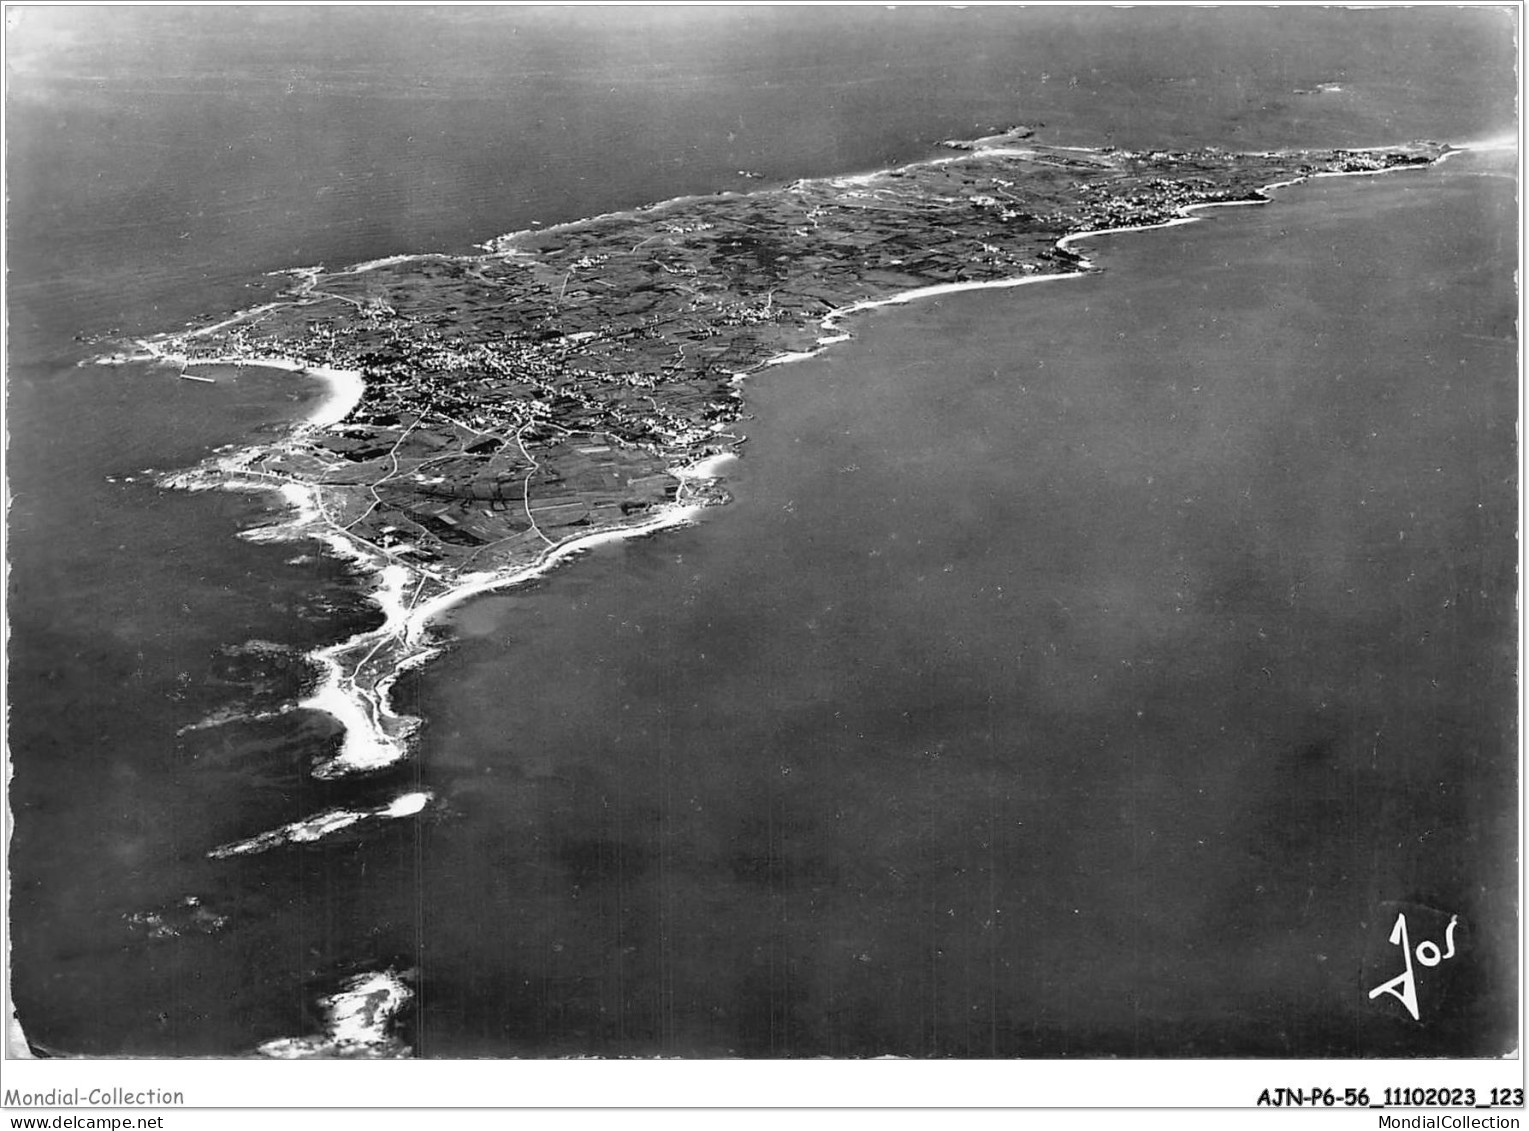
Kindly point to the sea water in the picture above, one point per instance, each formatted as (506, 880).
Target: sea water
(1080, 670)
(772, 785)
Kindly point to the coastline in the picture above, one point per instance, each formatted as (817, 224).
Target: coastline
(357, 674)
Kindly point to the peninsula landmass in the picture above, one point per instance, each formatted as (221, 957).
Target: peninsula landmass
(573, 382)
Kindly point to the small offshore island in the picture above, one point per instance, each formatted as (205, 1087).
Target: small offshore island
(572, 383)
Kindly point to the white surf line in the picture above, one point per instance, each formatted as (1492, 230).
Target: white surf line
(233, 319)
(358, 1021)
(232, 715)
(233, 471)
(1496, 143)
(1003, 146)
(1184, 211)
(320, 825)
(1183, 215)
(389, 261)
(671, 515)
(836, 335)
(156, 347)
(936, 290)
(373, 735)
(1364, 172)
(498, 247)
(705, 469)
(308, 275)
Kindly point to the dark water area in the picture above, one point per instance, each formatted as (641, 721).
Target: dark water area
(696, 844)
(1082, 670)
(161, 158)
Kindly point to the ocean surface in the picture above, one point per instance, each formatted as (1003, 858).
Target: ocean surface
(1087, 669)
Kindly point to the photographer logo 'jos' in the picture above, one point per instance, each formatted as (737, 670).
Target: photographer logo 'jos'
(1414, 962)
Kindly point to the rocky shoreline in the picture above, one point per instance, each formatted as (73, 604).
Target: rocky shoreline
(505, 410)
